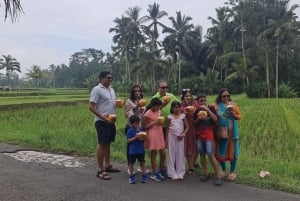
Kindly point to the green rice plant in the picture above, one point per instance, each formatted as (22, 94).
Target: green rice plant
(269, 135)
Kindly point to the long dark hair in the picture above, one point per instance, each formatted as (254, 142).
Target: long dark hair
(219, 97)
(132, 96)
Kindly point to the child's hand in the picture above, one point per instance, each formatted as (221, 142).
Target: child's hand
(180, 137)
(141, 110)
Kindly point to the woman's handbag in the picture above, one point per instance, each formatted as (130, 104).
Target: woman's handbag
(222, 132)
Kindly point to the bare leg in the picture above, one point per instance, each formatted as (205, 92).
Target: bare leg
(131, 168)
(107, 155)
(214, 164)
(100, 156)
(204, 164)
(162, 158)
(153, 160)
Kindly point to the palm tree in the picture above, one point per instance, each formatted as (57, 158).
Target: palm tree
(121, 38)
(52, 69)
(284, 24)
(176, 43)
(151, 33)
(36, 73)
(10, 64)
(12, 8)
(217, 36)
(154, 14)
(128, 36)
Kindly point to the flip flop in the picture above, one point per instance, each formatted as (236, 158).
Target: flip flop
(232, 176)
(103, 175)
(110, 168)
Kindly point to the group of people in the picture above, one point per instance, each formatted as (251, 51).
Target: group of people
(189, 127)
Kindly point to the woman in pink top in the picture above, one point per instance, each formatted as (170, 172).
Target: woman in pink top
(155, 138)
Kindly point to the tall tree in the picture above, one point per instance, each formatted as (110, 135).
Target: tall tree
(178, 38)
(217, 36)
(10, 64)
(36, 74)
(282, 25)
(154, 15)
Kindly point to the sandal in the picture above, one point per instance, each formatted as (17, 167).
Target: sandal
(110, 168)
(223, 173)
(232, 176)
(191, 171)
(103, 175)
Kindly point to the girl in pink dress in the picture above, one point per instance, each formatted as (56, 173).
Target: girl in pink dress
(177, 128)
(155, 139)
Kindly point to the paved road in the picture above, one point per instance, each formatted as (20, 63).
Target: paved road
(32, 181)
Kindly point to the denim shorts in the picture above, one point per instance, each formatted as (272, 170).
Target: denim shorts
(205, 147)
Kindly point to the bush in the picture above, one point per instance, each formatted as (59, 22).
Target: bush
(257, 90)
(285, 90)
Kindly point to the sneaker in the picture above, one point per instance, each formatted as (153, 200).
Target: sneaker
(132, 179)
(180, 177)
(204, 177)
(144, 178)
(139, 169)
(175, 177)
(218, 182)
(163, 174)
(156, 177)
(129, 172)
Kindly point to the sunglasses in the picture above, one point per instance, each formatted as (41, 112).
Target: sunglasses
(137, 90)
(200, 97)
(110, 78)
(226, 96)
(186, 90)
(165, 87)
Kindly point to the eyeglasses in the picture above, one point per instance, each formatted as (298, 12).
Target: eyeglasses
(109, 78)
(226, 96)
(164, 87)
(186, 90)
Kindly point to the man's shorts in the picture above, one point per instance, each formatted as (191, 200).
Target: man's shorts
(205, 147)
(133, 157)
(106, 132)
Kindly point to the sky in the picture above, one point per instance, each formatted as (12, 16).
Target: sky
(49, 31)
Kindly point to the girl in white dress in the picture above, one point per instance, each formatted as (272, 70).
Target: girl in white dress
(177, 128)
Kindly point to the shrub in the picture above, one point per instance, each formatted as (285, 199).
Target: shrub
(285, 90)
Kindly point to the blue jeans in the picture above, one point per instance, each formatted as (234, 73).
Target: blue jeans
(205, 147)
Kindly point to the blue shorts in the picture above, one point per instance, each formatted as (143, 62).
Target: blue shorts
(205, 147)
(106, 132)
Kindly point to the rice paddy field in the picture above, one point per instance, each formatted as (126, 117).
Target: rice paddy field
(59, 121)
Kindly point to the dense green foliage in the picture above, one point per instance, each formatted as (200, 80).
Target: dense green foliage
(269, 133)
(252, 46)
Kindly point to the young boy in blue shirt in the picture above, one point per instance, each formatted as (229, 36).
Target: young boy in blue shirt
(136, 149)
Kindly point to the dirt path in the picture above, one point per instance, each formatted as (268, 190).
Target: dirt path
(45, 181)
